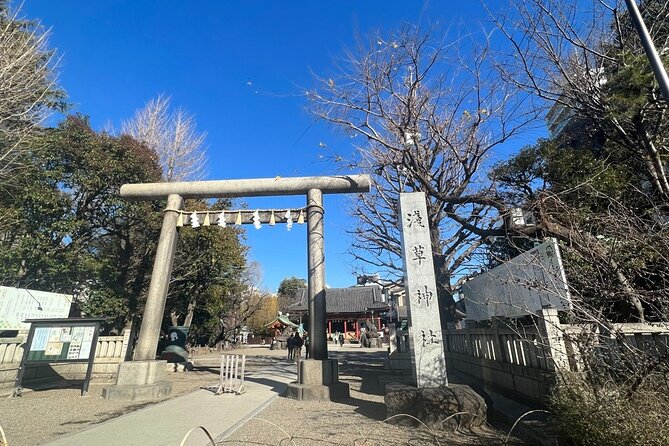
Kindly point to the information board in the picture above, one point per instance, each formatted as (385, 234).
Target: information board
(19, 304)
(60, 340)
(61, 343)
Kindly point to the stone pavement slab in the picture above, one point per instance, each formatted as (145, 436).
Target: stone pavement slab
(166, 423)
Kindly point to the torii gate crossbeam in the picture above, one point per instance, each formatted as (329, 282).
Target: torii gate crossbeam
(260, 187)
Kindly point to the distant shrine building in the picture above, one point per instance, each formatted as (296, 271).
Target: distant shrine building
(349, 310)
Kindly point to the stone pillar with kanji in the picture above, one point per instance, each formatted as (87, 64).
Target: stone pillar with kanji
(428, 363)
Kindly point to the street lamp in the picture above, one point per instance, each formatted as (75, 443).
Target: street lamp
(649, 47)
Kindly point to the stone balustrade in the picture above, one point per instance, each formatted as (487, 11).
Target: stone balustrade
(110, 351)
(522, 359)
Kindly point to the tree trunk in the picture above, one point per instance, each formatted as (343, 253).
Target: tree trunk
(444, 294)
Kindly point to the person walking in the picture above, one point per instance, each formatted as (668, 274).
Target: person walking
(290, 343)
(306, 345)
(341, 339)
(297, 347)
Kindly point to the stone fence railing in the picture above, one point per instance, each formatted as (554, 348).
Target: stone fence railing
(611, 345)
(522, 359)
(11, 350)
(110, 351)
(502, 358)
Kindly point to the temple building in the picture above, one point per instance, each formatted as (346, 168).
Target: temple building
(280, 323)
(348, 309)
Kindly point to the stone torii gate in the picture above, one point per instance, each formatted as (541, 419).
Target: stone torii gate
(144, 377)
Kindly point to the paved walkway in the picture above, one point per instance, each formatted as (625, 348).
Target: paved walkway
(168, 422)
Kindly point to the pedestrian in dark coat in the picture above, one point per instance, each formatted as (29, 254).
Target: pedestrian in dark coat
(297, 347)
(290, 343)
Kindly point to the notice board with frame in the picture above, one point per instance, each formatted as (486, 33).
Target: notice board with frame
(62, 341)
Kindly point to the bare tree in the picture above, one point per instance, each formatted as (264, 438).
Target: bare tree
(429, 118)
(590, 63)
(174, 137)
(28, 88)
(585, 61)
(243, 305)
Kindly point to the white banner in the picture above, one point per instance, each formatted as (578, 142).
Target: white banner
(18, 304)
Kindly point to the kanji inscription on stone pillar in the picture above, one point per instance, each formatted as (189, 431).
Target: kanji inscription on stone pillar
(427, 349)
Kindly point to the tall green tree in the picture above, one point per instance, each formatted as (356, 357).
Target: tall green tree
(613, 242)
(287, 291)
(73, 232)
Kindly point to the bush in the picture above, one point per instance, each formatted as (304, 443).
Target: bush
(612, 413)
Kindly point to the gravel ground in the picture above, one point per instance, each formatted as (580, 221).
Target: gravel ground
(302, 423)
(41, 416)
(359, 421)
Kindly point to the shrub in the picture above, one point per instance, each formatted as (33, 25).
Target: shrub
(612, 412)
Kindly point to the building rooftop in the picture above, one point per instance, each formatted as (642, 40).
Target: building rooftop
(282, 319)
(357, 299)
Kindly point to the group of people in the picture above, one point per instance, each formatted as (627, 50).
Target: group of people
(295, 343)
(338, 338)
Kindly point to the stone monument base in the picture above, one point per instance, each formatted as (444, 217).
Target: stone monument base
(398, 367)
(434, 406)
(317, 380)
(139, 380)
(398, 363)
(175, 367)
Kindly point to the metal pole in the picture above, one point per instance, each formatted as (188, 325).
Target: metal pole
(160, 281)
(316, 283)
(649, 47)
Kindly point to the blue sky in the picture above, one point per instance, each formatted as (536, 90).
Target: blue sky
(238, 66)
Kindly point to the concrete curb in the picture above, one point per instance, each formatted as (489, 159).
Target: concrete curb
(229, 431)
(507, 411)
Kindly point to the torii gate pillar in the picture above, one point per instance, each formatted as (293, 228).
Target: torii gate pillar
(160, 281)
(316, 274)
(318, 377)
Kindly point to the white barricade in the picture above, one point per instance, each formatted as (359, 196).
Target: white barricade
(232, 374)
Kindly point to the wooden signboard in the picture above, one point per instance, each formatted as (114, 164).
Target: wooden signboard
(60, 340)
